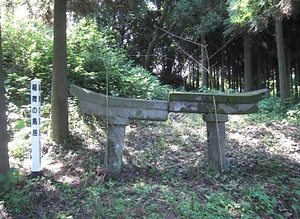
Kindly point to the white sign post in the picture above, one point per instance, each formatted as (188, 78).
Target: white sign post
(35, 126)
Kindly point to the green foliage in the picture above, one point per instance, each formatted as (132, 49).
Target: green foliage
(8, 181)
(161, 178)
(19, 199)
(293, 113)
(271, 105)
(93, 59)
(248, 14)
(260, 200)
(19, 131)
(199, 17)
(94, 63)
(17, 88)
(18, 117)
(275, 108)
(27, 48)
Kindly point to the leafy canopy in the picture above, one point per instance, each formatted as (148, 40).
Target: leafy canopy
(249, 14)
(199, 17)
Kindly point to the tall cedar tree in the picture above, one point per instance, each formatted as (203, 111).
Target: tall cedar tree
(248, 74)
(4, 161)
(284, 78)
(59, 95)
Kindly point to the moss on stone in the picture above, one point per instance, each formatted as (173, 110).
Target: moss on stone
(233, 98)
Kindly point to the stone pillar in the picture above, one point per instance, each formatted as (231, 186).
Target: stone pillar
(216, 142)
(115, 143)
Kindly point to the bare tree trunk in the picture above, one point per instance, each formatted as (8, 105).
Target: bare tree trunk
(222, 69)
(258, 71)
(276, 81)
(284, 85)
(4, 160)
(229, 77)
(265, 79)
(197, 75)
(296, 81)
(248, 76)
(204, 62)
(59, 98)
(289, 68)
(150, 50)
(157, 36)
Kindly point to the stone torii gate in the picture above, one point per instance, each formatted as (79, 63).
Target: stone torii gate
(214, 107)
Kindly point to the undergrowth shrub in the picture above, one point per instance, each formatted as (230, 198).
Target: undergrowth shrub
(293, 113)
(8, 184)
(8, 180)
(11, 195)
(275, 108)
(27, 53)
(274, 105)
(260, 199)
(94, 62)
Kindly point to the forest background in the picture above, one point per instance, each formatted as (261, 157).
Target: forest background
(143, 49)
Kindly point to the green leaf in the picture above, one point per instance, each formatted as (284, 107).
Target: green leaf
(19, 124)
(11, 175)
(2, 178)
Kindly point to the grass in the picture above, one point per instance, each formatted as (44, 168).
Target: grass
(164, 174)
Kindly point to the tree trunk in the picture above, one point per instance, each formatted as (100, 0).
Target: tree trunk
(258, 71)
(150, 50)
(284, 85)
(4, 160)
(235, 75)
(297, 73)
(296, 81)
(248, 76)
(289, 68)
(59, 98)
(156, 36)
(204, 62)
(229, 78)
(265, 79)
(276, 81)
(222, 69)
(197, 75)
(167, 76)
(218, 82)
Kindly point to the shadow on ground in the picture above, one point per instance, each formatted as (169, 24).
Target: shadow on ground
(162, 160)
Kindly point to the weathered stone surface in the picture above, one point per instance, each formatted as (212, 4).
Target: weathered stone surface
(232, 103)
(118, 121)
(215, 117)
(232, 98)
(124, 112)
(119, 112)
(206, 107)
(114, 149)
(98, 104)
(215, 126)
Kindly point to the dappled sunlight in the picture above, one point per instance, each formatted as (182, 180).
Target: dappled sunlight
(160, 146)
(174, 148)
(193, 55)
(165, 170)
(274, 139)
